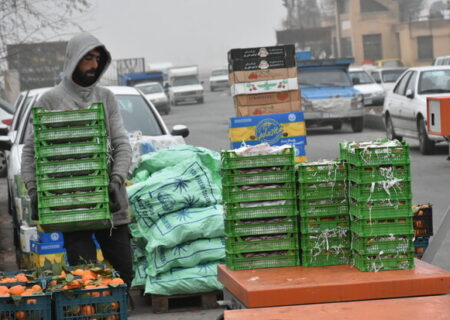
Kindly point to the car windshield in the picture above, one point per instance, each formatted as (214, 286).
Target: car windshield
(391, 75)
(323, 78)
(150, 88)
(219, 72)
(6, 106)
(137, 115)
(185, 81)
(436, 81)
(363, 77)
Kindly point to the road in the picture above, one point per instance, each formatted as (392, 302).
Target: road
(208, 124)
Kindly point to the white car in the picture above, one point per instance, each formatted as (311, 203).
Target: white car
(405, 108)
(154, 92)
(372, 92)
(137, 112)
(218, 79)
(386, 77)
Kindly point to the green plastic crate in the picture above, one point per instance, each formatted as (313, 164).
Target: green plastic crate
(323, 207)
(255, 227)
(376, 152)
(240, 177)
(274, 242)
(321, 171)
(237, 211)
(79, 200)
(322, 190)
(398, 190)
(385, 244)
(67, 134)
(71, 150)
(317, 243)
(324, 224)
(71, 167)
(239, 194)
(98, 179)
(98, 217)
(381, 227)
(383, 262)
(369, 174)
(382, 209)
(230, 160)
(326, 259)
(42, 117)
(244, 261)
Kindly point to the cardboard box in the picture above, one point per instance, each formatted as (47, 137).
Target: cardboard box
(264, 86)
(262, 52)
(262, 75)
(50, 237)
(47, 248)
(292, 106)
(27, 235)
(266, 98)
(261, 63)
(274, 129)
(438, 116)
(38, 260)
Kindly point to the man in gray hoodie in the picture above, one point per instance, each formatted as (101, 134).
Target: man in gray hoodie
(86, 61)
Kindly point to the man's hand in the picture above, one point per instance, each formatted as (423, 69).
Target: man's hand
(117, 198)
(32, 193)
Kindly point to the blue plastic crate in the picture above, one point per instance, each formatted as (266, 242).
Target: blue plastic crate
(36, 307)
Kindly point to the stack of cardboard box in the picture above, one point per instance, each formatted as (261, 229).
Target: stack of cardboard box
(264, 80)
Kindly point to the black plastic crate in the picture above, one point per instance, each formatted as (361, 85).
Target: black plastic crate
(423, 220)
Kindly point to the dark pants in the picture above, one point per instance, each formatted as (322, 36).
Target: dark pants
(115, 245)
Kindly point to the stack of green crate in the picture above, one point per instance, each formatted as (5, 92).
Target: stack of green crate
(261, 224)
(71, 169)
(380, 204)
(324, 219)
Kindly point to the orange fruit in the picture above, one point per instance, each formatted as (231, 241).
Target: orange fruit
(117, 281)
(87, 310)
(78, 272)
(52, 283)
(63, 274)
(3, 289)
(36, 288)
(27, 292)
(115, 306)
(17, 290)
(4, 294)
(21, 277)
(20, 315)
(32, 301)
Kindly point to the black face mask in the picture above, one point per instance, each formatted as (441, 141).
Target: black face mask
(83, 79)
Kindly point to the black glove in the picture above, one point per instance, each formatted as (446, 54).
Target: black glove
(32, 193)
(117, 194)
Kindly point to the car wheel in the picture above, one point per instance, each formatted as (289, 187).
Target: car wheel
(201, 100)
(390, 131)
(3, 167)
(357, 124)
(337, 125)
(426, 145)
(167, 109)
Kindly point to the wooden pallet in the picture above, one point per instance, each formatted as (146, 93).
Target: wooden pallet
(185, 302)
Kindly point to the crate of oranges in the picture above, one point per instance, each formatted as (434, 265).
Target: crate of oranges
(22, 297)
(89, 293)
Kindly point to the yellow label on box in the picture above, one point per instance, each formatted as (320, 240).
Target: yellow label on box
(39, 259)
(292, 129)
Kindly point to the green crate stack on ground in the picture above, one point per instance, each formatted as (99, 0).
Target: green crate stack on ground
(71, 169)
(323, 208)
(380, 204)
(261, 224)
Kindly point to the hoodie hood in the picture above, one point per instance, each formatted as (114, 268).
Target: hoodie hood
(77, 48)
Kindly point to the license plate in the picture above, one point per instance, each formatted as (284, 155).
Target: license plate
(368, 101)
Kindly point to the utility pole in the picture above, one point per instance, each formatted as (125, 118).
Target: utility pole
(338, 29)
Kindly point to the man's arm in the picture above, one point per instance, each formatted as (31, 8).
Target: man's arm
(120, 144)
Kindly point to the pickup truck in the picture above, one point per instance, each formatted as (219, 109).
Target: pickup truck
(327, 93)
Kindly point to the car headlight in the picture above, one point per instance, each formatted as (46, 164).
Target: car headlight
(357, 101)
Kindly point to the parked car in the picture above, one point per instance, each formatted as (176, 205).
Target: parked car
(373, 93)
(155, 93)
(386, 77)
(442, 61)
(137, 112)
(389, 63)
(218, 79)
(6, 115)
(405, 108)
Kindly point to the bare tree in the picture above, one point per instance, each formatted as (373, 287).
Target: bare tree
(302, 14)
(410, 9)
(23, 21)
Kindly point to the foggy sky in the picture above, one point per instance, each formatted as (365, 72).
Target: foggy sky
(184, 31)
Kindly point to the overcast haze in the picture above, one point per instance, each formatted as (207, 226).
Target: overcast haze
(184, 31)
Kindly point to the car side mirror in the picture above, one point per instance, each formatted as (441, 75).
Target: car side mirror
(180, 130)
(409, 94)
(356, 81)
(5, 143)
